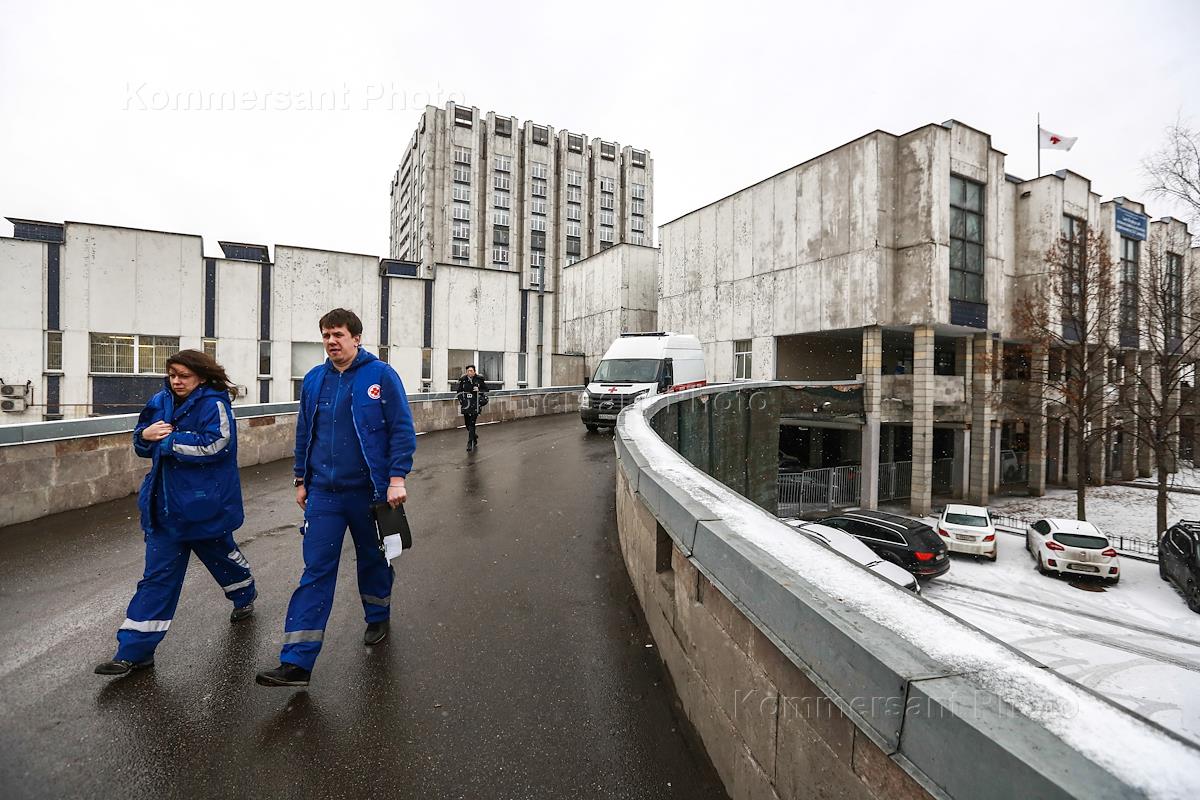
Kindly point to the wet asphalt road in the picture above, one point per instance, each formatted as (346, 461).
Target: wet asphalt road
(516, 667)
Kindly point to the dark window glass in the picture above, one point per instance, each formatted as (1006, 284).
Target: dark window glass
(1129, 287)
(541, 134)
(503, 126)
(966, 240)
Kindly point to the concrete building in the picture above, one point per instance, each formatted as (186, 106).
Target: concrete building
(520, 201)
(605, 295)
(895, 263)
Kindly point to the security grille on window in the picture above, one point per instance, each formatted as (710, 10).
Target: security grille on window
(462, 155)
(608, 151)
(54, 351)
(500, 217)
(575, 143)
(462, 211)
(463, 116)
(966, 240)
(574, 177)
(502, 181)
(503, 164)
(743, 360)
(499, 255)
(1129, 287)
(574, 211)
(125, 354)
(504, 127)
(541, 134)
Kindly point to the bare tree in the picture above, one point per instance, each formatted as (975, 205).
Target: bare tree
(1167, 328)
(1173, 171)
(1068, 317)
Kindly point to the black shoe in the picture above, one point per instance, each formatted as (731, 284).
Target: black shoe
(119, 667)
(470, 445)
(239, 614)
(283, 675)
(376, 632)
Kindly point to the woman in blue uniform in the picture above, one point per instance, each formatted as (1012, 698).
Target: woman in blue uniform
(190, 502)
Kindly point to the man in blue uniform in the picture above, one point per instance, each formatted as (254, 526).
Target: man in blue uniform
(354, 447)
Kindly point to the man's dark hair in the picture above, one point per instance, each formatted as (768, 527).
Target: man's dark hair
(470, 366)
(206, 368)
(342, 318)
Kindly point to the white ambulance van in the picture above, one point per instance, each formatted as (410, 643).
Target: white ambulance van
(638, 364)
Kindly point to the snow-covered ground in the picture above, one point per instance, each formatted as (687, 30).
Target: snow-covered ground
(1136, 643)
(1127, 510)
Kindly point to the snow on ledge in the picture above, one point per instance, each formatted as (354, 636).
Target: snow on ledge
(1133, 751)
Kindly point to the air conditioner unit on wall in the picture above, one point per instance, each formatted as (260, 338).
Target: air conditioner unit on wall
(13, 405)
(15, 397)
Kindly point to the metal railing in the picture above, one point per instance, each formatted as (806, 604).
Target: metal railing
(895, 480)
(818, 490)
(943, 475)
(1133, 545)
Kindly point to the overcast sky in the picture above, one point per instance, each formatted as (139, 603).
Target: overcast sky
(99, 116)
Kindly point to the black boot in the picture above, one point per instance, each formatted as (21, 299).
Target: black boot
(470, 444)
(116, 667)
(283, 675)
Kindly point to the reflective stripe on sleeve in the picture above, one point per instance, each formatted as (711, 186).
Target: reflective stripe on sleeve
(207, 449)
(145, 626)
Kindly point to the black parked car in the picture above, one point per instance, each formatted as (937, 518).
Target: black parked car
(908, 542)
(1179, 560)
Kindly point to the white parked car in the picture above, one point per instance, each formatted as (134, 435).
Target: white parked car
(857, 552)
(1072, 547)
(968, 529)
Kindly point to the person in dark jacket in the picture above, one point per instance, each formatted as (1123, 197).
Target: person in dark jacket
(472, 397)
(190, 502)
(354, 447)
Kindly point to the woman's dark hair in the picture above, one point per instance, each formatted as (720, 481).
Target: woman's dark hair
(342, 318)
(206, 367)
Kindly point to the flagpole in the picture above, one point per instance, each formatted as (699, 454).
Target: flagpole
(1039, 143)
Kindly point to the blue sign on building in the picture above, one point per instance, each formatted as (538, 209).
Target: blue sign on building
(1131, 224)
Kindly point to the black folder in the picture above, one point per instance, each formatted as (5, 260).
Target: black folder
(389, 521)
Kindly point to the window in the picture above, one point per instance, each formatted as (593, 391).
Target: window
(503, 164)
(537, 205)
(462, 174)
(574, 211)
(966, 240)
(501, 180)
(1129, 290)
(427, 364)
(1074, 241)
(638, 237)
(461, 230)
(500, 255)
(54, 351)
(503, 199)
(573, 248)
(608, 185)
(462, 211)
(606, 234)
(638, 158)
(491, 367)
(457, 362)
(574, 177)
(1174, 309)
(537, 240)
(574, 229)
(572, 260)
(637, 207)
(537, 223)
(538, 188)
(538, 170)
(637, 224)
(743, 360)
(535, 276)
(521, 382)
(461, 193)
(638, 190)
(463, 116)
(608, 151)
(541, 134)
(305, 356)
(575, 142)
(504, 127)
(607, 218)
(606, 200)
(125, 354)
(462, 155)
(500, 217)
(500, 235)
(574, 194)
(460, 250)
(210, 347)
(264, 358)
(537, 259)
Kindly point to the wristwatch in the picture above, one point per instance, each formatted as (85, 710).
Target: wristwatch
(297, 482)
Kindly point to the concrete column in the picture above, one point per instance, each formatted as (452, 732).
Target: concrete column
(962, 463)
(1071, 467)
(1039, 363)
(1145, 456)
(922, 421)
(1173, 456)
(872, 362)
(978, 489)
(1097, 452)
(1055, 436)
(996, 475)
(1129, 440)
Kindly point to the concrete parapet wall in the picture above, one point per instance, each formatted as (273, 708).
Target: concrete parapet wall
(50, 467)
(805, 676)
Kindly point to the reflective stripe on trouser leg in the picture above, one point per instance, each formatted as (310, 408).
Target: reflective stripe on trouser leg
(308, 610)
(153, 605)
(374, 572)
(228, 567)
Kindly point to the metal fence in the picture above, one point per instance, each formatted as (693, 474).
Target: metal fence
(895, 480)
(943, 475)
(1133, 545)
(818, 490)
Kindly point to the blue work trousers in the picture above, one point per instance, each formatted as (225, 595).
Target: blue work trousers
(153, 605)
(326, 517)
